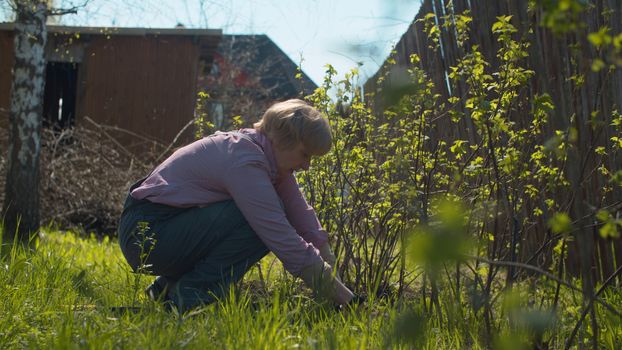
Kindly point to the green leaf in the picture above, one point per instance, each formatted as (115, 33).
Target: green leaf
(458, 147)
(609, 230)
(453, 100)
(603, 216)
(558, 247)
(429, 16)
(560, 223)
(600, 38)
(598, 65)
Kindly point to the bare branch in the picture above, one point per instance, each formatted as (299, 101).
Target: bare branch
(69, 10)
(547, 275)
(191, 122)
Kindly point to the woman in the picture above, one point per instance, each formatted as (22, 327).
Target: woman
(215, 207)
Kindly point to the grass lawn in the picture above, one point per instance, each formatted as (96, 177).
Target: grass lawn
(63, 294)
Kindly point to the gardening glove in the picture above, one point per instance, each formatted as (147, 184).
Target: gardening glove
(327, 254)
(321, 280)
(355, 302)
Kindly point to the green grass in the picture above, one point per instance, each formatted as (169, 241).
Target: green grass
(61, 295)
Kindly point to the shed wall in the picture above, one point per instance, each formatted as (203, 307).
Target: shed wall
(146, 85)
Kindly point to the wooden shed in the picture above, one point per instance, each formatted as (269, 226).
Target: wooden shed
(137, 79)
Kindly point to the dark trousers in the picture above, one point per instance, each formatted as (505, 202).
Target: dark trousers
(197, 251)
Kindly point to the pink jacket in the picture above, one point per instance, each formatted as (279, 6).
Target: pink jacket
(230, 165)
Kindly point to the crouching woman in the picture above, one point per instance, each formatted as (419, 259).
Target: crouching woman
(215, 207)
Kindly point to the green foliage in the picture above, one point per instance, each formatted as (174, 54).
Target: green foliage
(437, 207)
(600, 38)
(609, 46)
(362, 189)
(560, 223)
(237, 122)
(611, 226)
(562, 15)
(499, 151)
(527, 323)
(202, 122)
(432, 30)
(444, 238)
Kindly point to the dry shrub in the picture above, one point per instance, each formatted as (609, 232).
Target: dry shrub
(85, 175)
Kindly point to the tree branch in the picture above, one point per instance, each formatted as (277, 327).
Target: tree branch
(66, 11)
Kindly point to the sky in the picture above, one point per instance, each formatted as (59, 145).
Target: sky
(344, 33)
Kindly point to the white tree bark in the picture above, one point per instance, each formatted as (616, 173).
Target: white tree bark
(21, 205)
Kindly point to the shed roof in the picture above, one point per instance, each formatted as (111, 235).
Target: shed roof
(275, 69)
(207, 39)
(123, 30)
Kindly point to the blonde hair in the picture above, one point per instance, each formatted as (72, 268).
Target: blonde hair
(294, 121)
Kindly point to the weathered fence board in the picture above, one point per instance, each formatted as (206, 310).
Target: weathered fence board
(554, 64)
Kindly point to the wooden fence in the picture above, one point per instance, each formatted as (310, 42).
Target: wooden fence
(555, 64)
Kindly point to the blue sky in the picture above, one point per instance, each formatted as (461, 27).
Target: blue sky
(339, 32)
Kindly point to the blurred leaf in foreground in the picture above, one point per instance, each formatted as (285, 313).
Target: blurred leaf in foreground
(560, 223)
(527, 324)
(444, 238)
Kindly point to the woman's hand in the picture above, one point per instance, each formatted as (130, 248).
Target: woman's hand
(327, 254)
(324, 283)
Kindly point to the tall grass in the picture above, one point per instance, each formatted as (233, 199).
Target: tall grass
(66, 293)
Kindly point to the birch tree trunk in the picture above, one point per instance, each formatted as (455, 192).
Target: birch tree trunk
(21, 202)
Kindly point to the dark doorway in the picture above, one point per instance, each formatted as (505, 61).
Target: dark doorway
(59, 104)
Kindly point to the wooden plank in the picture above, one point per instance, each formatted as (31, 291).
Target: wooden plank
(145, 85)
